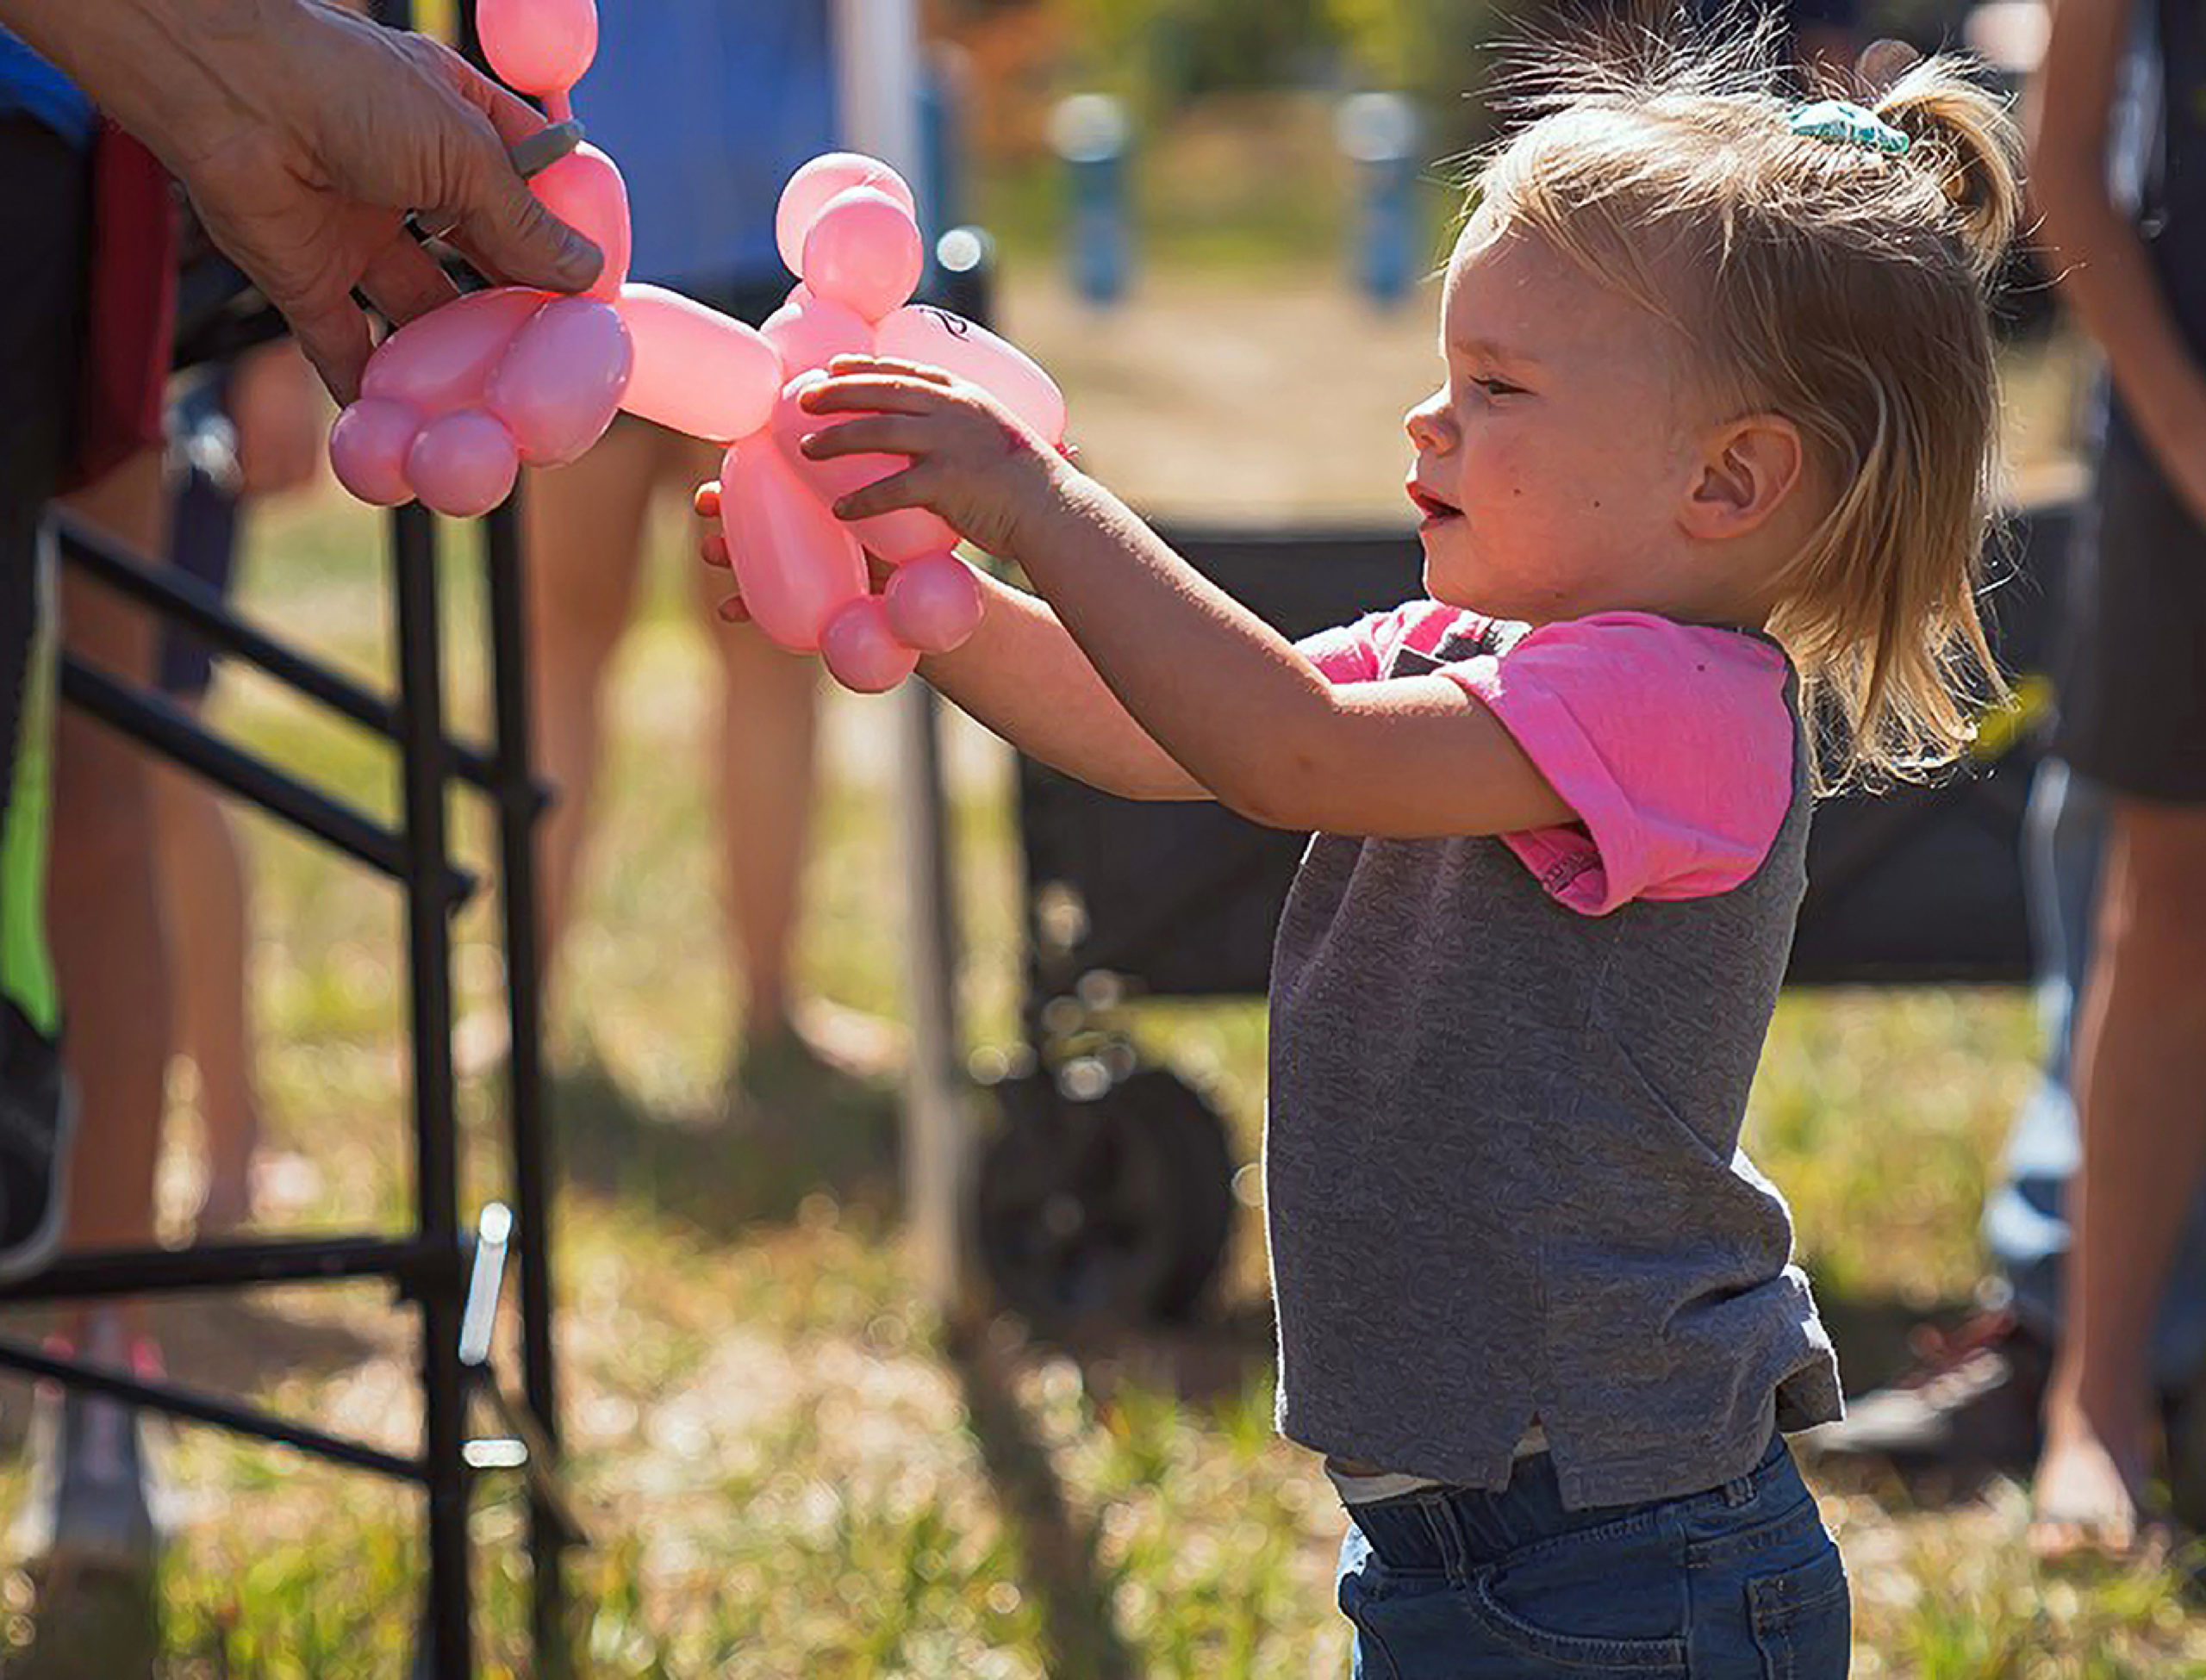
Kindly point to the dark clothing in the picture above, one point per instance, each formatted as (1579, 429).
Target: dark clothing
(2133, 687)
(202, 542)
(2171, 211)
(43, 272)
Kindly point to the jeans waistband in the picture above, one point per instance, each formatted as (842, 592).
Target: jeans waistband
(1454, 1528)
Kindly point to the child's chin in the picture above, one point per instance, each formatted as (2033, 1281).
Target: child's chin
(1448, 582)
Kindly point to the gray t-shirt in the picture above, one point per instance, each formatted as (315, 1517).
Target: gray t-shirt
(1502, 1175)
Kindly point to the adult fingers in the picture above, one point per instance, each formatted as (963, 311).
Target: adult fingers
(334, 338)
(403, 281)
(503, 227)
(512, 116)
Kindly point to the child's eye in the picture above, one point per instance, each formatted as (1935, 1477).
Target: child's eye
(1499, 388)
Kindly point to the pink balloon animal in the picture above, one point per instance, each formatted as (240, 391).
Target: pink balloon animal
(454, 401)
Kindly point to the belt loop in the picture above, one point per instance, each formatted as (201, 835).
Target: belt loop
(1447, 1534)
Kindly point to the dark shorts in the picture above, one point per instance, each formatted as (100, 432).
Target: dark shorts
(2132, 682)
(204, 542)
(203, 533)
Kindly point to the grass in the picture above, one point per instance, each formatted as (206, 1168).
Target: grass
(790, 1466)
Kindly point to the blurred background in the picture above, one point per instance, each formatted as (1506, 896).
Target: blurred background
(1216, 222)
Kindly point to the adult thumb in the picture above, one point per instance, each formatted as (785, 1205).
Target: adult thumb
(507, 232)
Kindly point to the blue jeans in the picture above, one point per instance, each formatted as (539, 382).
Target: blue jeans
(1741, 1582)
(2023, 1224)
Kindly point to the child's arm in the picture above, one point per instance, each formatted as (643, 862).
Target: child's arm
(1023, 676)
(2102, 262)
(1218, 690)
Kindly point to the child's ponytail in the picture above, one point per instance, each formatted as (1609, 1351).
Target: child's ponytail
(1963, 136)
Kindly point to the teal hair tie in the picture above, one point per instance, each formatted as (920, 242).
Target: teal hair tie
(1847, 124)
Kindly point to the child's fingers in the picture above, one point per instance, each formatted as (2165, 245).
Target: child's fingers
(714, 550)
(707, 501)
(932, 376)
(869, 434)
(906, 488)
(732, 611)
(877, 394)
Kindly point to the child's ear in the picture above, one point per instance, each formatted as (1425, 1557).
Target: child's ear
(1747, 467)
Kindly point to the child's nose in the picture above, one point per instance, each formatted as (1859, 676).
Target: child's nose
(1427, 424)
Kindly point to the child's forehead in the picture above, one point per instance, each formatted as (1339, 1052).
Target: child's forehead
(1501, 273)
(1513, 294)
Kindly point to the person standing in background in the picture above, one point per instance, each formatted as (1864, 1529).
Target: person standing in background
(708, 106)
(244, 430)
(2134, 720)
(303, 140)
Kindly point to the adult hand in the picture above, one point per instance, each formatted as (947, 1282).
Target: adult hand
(303, 135)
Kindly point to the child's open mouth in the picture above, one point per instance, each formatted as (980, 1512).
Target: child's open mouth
(1431, 505)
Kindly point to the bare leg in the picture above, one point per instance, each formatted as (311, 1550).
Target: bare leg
(203, 896)
(585, 529)
(103, 903)
(2141, 1064)
(763, 772)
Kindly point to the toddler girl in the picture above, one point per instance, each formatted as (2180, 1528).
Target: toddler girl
(1703, 492)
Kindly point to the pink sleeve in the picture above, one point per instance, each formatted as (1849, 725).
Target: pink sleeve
(1350, 652)
(1361, 651)
(1672, 742)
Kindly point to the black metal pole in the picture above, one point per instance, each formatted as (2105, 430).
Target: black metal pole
(209, 1409)
(179, 598)
(415, 1268)
(518, 810)
(436, 1187)
(160, 725)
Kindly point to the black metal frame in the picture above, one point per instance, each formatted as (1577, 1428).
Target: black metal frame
(453, 1276)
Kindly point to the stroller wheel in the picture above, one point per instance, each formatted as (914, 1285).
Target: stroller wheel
(1114, 1208)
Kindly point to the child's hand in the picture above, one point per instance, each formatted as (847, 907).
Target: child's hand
(712, 548)
(973, 463)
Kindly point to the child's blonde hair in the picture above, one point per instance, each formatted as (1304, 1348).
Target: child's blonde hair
(1840, 286)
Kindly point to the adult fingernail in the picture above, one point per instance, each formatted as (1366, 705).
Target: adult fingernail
(580, 261)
